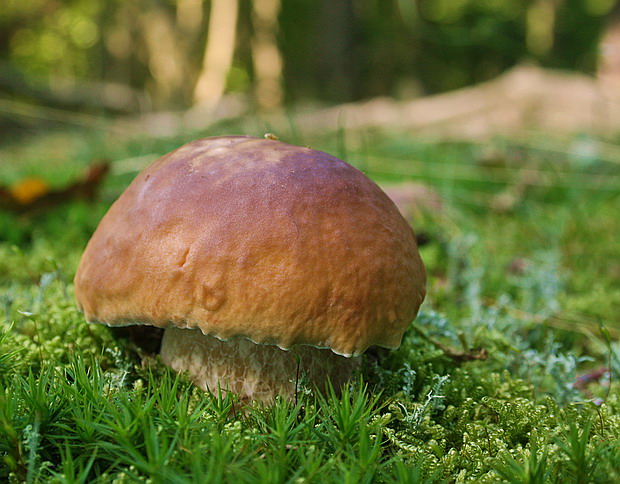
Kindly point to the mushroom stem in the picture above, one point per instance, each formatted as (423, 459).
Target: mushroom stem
(254, 371)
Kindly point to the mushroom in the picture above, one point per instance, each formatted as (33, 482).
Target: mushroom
(262, 260)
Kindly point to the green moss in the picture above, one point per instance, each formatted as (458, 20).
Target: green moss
(535, 287)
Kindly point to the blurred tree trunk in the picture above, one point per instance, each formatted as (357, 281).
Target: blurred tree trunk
(336, 52)
(608, 67)
(189, 15)
(166, 60)
(540, 26)
(219, 51)
(266, 55)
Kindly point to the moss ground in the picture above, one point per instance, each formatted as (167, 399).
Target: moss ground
(523, 263)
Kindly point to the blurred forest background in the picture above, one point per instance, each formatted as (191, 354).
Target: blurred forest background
(138, 56)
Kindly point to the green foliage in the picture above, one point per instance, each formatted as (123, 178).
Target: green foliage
(532, 471)
(77, 405)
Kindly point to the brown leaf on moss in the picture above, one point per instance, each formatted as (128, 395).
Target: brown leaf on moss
(34, 194)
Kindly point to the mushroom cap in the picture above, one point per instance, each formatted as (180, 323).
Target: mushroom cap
(249, 237)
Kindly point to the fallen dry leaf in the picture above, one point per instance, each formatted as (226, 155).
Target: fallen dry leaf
(34, 194)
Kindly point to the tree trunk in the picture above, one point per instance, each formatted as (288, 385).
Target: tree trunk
(165, 57)
(541, 16)
(219, 51)
(266, 54)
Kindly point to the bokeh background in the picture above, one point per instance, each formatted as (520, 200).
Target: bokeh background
(128, 57)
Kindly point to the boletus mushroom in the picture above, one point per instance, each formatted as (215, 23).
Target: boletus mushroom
(261, 260)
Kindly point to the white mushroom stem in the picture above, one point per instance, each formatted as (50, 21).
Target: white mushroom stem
(254, 371)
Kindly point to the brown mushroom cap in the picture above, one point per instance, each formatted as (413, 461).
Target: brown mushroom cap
(248, 237)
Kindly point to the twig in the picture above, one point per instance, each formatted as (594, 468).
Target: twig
(460, 356)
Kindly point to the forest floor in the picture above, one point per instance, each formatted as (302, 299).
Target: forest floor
(519, 238)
